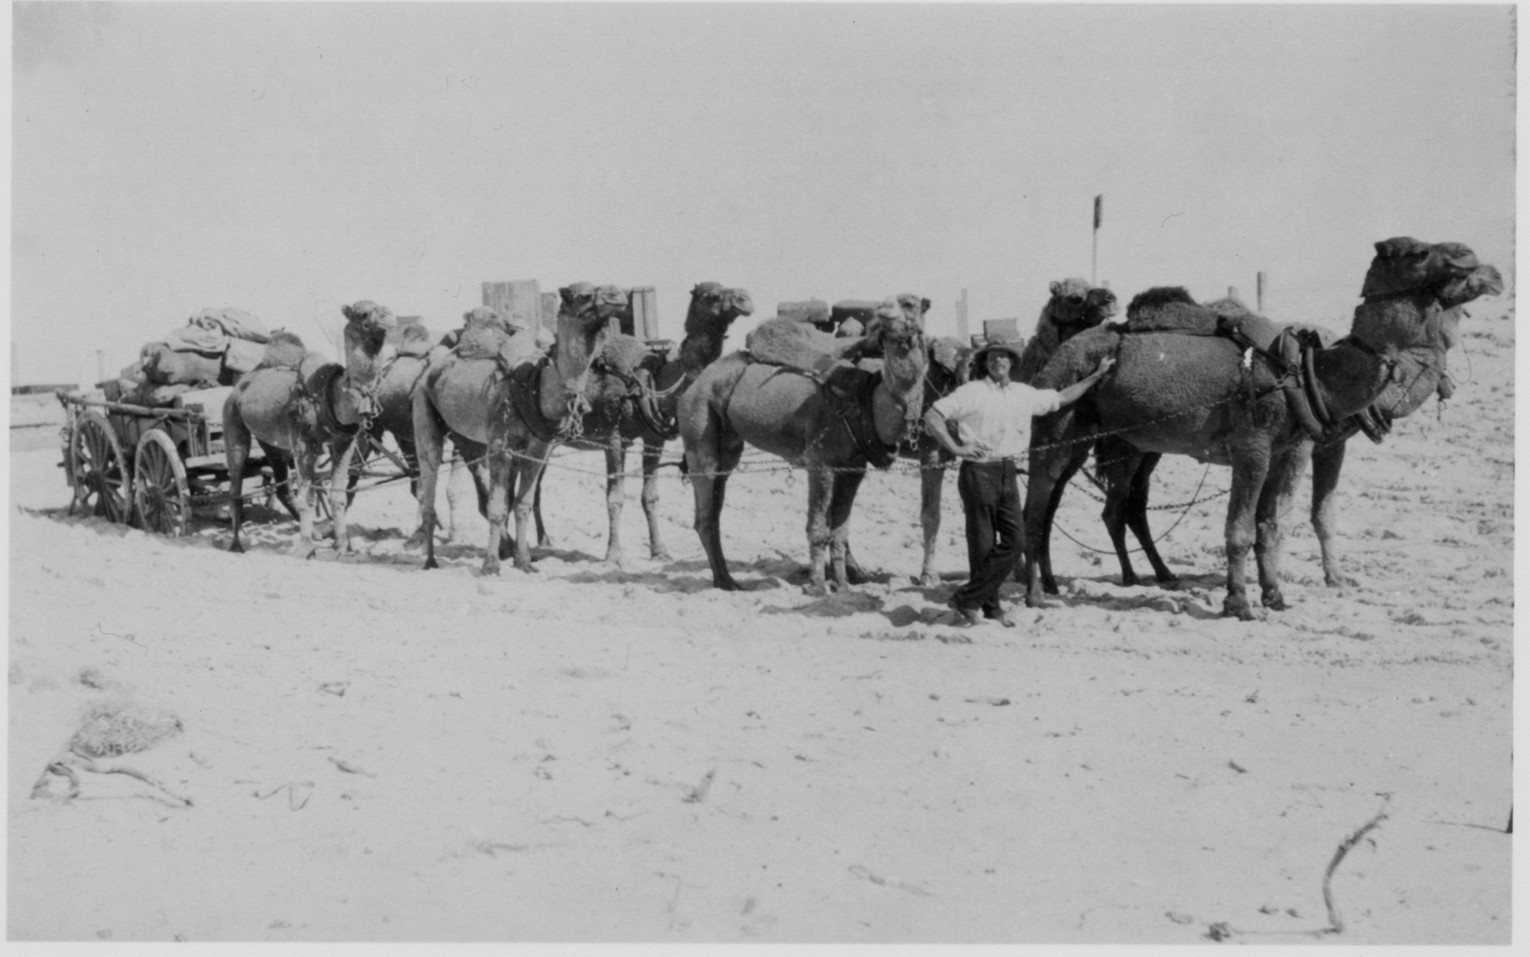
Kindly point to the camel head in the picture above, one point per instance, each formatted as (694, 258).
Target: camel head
(584, 315)
(911, 306)
(1099, 306)
(903, 354)
(1066, 306)
(366, 327)
(1448, 271)
(1405, 270)
(717, 305)
(713, 309)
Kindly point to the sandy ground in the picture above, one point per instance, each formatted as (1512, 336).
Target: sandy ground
(372, 752)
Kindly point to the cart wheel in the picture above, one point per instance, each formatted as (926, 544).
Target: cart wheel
(160, 489)
(102, 485)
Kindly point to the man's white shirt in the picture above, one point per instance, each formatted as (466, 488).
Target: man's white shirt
(998, 415)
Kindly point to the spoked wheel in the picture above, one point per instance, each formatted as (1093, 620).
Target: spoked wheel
(102, 484)
(160, 489)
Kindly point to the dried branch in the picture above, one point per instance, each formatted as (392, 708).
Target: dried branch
(1335, 920)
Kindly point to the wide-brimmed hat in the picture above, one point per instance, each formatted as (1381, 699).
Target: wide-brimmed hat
(1013, 347)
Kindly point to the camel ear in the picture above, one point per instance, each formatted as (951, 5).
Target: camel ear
(1055, 287)
(924, 306)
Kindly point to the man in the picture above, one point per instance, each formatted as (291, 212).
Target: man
(987, 424)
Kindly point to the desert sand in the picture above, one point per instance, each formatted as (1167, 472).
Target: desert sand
(367, 751)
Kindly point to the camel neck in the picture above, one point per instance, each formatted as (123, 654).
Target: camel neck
(1350, 377)
(567, 367)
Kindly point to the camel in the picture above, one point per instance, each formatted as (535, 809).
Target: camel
(1257, 410)
(834, 423)
(394, 390)
(509, 412)
(299, 405)
(634, 396)
(1126, 471)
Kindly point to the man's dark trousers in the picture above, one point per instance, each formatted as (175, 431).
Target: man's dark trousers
(995, 530)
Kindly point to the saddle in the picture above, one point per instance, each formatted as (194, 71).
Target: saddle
(1289, 351)
(798, 346)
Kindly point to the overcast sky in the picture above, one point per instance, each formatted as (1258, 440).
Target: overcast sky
(290, 157)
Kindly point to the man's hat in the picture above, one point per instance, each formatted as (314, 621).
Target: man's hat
(980, 358)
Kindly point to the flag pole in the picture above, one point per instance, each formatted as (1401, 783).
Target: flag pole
(1094, 253)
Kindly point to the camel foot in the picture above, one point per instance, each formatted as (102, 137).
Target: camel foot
(526, 567)
(816, 589)
(1172, 582)
(237, 547)
(725, 584)
(545, 541)
(1338, 580)
(1275, 602)
(429, 564)
(489, 569)
(1238, 608)
(661, 555)
(854, 574)
(927, 579)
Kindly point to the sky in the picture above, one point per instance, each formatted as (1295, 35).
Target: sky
(288, 158)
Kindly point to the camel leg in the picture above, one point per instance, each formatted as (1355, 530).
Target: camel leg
(303, 492)
(1047, 481)
(842, 500)
(428, 432)
(1118, 463)
(411, 461)
(1136, 520)
(1274, 502)
(341, 453)
(616, 497)
(501, 472)
(544, 540)
(358, 461)
(932, 477)
(529, 463)
(708, 462)
(1250, 467)
(236, 443)
(651, 453)
(820, 483)
(1327, 461)
(281, 475)
(1128, 475)
(469, 451)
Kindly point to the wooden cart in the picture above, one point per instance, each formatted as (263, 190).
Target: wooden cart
(149, 466)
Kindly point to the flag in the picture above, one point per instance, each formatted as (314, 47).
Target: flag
(1099, 206)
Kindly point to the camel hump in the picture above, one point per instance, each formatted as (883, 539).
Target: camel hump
(284, 350)
(1169, 308)
(783, 341)
(626, 353)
